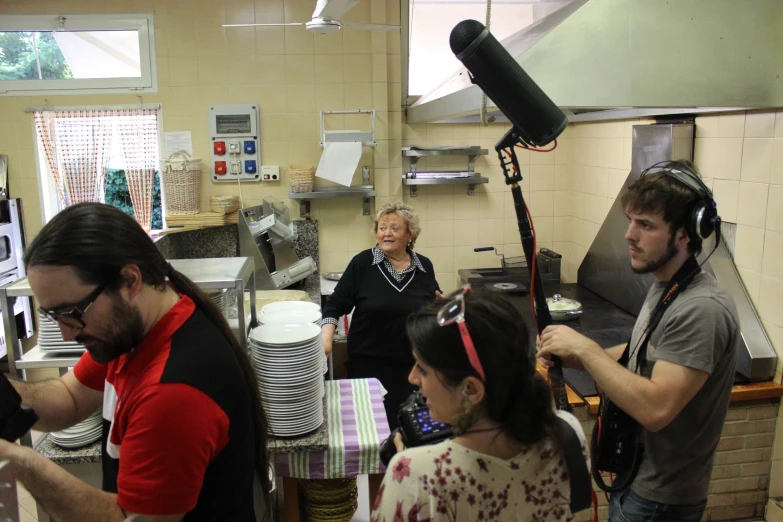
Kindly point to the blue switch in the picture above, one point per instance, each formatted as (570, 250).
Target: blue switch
(250, 165)
(250, 147)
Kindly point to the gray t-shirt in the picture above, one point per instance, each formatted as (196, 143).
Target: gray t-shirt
(700, 330)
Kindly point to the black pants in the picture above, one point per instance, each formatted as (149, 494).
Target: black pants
(393, 376)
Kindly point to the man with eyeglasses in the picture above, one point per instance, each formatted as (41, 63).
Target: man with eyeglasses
(184, 432)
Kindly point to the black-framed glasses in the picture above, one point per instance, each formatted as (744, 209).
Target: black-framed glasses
(72, 316)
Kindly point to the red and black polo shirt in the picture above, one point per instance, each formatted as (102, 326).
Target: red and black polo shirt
(178, 434)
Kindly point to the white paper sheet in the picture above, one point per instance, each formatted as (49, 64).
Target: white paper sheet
(339, 161)
(176, 141)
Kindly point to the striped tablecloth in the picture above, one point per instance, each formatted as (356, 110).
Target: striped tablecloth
(357, 425)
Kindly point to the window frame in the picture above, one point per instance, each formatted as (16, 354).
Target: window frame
(47, 193)
(143, 23)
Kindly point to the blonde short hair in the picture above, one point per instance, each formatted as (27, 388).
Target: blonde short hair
(406, 212)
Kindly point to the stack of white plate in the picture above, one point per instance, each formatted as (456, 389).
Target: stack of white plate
(82, 434)
(284, 306)
(50, 338)
(288, 359)
(289, 312)
(218, 297)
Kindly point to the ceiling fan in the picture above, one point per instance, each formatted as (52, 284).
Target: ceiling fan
(325, 19)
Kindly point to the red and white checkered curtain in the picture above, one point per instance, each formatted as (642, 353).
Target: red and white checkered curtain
(138, 131)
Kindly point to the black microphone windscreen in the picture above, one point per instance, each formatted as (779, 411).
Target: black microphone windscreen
(534, 115)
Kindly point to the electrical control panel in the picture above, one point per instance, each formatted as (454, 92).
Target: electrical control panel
(235, 136)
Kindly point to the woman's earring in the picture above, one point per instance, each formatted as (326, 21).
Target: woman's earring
(466, 418)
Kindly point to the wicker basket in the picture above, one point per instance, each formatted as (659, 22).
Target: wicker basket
(181, 182)
(302, 177)
(224, 204)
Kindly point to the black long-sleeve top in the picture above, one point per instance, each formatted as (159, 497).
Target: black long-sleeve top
(381, 303)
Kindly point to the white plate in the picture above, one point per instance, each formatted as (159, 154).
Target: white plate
(285, 334)
(289, 305)
(291, 316)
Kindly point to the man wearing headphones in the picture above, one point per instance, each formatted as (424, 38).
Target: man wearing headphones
(675, 375)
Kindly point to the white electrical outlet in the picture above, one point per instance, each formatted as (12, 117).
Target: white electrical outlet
(270, 173)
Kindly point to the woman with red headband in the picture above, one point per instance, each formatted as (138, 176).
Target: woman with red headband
(475, 364)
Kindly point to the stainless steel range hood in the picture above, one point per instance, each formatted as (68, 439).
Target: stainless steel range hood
(606, 269)
(615, 59)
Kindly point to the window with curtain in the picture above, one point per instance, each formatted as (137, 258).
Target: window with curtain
(85, 154)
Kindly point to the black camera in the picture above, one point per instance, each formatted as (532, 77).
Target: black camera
(416, 426)
(16, 419)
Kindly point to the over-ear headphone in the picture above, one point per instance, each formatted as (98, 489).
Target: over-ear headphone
(704, 218)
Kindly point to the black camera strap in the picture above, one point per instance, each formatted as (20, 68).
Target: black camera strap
(616, 446)
(578, 475)
(676, 286)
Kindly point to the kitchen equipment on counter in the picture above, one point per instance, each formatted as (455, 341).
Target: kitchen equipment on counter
(12, 244)
(266, 233)
(332, 276)
(513, 271)
(288, 359)
(563, 309)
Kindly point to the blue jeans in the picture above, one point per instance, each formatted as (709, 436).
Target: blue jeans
(630, 507)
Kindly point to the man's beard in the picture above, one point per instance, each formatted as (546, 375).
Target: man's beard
(654, 264)
(124, 333)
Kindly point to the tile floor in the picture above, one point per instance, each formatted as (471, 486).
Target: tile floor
(27, 508)
(28, 511)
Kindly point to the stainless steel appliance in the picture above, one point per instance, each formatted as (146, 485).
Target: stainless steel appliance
(514, 271)
(606, 270)
(266, 234)
(12, 245)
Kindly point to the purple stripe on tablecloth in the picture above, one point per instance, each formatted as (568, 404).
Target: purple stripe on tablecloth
(317, 461)
(282, 469)
(351, 466)
(349, 432)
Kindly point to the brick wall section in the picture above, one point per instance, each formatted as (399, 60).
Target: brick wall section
(740, 477)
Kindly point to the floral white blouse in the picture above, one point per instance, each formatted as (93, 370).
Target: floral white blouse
(449, 482)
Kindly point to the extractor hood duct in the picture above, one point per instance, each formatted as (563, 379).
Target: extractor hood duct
(612, 59)
(606, 269)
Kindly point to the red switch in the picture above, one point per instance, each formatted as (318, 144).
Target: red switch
(220, 148)
(220, 167)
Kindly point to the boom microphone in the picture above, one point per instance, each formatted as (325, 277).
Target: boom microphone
(537, 120)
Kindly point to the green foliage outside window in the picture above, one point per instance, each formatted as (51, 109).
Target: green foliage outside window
(117, 195)
(18, 57)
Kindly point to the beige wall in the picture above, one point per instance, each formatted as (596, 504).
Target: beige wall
(291, 73)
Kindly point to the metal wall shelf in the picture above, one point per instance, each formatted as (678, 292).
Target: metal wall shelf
(471, 182)
(365, 191)
(467, 177)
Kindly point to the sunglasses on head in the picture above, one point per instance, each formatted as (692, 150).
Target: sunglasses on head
(454, 312)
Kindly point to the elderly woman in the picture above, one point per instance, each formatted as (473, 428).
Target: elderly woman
(383, 286)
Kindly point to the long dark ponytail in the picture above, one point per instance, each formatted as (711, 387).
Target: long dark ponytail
(516, 396)
(97, 241)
